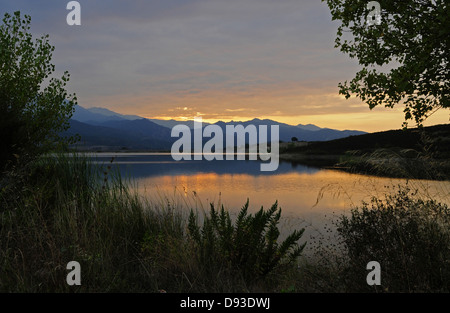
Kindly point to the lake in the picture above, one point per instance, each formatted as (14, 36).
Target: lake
(309, 197)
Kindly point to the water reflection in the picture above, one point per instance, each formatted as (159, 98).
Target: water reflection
(147, 165)
(308, 196)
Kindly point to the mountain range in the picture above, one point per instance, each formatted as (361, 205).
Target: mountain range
(103, 129)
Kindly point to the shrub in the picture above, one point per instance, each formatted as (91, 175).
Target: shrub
(408, 236)
(248, 248)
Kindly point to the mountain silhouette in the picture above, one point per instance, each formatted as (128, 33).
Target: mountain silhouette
(101, 128)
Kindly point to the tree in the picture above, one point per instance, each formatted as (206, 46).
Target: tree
(294, 139)
(405, 58)
(34, 108)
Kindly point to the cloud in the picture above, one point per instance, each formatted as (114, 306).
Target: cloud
(219, 58)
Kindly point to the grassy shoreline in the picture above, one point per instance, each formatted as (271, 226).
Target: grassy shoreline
(67, 208)
(382, 163)
(412, 154)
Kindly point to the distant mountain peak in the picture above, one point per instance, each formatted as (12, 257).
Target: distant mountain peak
(310, 127)
(97, 115)
(136, 131)
(107, 112)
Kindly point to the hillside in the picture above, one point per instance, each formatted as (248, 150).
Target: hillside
(103, 129)
(126, 135)
(384, 153)
(301, 132)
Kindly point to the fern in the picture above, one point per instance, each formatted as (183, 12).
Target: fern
(249, 246)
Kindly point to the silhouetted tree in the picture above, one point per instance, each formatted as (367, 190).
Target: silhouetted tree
(34, 108)
(412, 38)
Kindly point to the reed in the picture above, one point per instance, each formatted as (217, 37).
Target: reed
(66, 208)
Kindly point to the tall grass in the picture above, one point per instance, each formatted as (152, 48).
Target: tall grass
(69, 209)
(66, 208)
(428, 158)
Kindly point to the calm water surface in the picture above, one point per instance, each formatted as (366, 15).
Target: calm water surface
(307, 196)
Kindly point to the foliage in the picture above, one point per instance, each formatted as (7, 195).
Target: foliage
(412, 41)
(408, 236)
(34, 108)
(248, 247)
(64, 210)
(67, 207)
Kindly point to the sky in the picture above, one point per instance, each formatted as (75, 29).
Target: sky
(218, 59)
